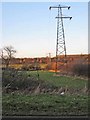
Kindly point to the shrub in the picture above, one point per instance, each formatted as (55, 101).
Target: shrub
(30, 67)
(18, 79)
(13, 80)
(80, 68)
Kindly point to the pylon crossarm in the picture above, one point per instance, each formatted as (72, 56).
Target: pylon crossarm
(53, 7)
(59, 7)
(65, 7)
(64, 17)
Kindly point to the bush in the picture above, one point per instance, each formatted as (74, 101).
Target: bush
(30, 67)
(17, 80)
(26, 67)
(14, 80)
(80, 68)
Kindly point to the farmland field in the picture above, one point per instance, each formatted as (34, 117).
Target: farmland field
(73, 102)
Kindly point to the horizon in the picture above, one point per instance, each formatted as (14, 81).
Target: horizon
(53, 56)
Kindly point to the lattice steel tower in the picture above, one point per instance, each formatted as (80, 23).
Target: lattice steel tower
(60, 45)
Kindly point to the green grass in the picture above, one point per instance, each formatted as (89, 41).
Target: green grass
(63, 81)
(19, 104)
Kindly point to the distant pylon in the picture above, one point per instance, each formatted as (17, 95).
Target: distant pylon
(49, 57)
(60, 45)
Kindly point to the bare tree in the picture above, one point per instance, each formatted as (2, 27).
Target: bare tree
(7, 54)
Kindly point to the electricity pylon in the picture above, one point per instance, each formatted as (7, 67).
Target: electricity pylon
(60, 45)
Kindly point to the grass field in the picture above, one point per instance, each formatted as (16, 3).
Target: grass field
(63, 81)
(19, 103)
